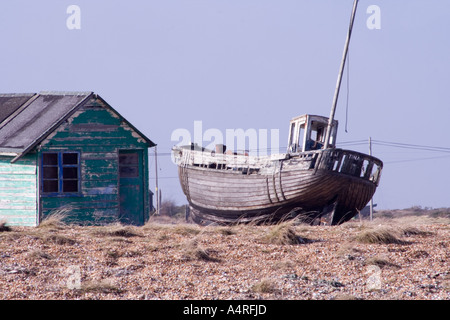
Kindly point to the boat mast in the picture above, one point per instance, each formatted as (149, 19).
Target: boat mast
(338, 84)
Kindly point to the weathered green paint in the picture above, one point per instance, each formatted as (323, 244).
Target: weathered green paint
(130, 192)
(18, 191)
(99, 135)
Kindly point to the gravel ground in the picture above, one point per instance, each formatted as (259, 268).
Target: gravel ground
(390, 259)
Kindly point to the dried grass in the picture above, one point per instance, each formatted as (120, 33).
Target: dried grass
(284, 265)
(186, 229)
(39, 254)
(284, 234)
(265, 286)
(58, 239)
(226, 231)
(381, 235)
(4, 227)
(348, 251)
(33, 262)
(408, 231)
(100, 287)
(345, 296)
(54, 220)
(381, 262)
(164, 231)
(116, 230)
(192, 251)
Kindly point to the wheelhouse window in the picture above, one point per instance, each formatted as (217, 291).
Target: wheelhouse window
(60, 172)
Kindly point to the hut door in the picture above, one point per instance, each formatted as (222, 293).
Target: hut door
(131, 187)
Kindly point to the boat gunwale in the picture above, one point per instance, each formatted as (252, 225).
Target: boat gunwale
(275, 162)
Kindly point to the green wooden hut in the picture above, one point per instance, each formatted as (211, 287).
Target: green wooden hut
(73, 153)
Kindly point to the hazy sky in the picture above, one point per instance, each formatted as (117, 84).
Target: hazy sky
(164, 64)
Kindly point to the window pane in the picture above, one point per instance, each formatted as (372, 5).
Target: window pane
(50, 186)
(129, 172)
(70, 158)
(50, 173)
(301, 137)
(70, 173)
(60, 172)
(50, 159)
(128, 158)
(70, 185)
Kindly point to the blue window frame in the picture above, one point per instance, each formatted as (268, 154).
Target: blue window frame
(60, 173)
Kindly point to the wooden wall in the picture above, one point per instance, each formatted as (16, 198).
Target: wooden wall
(98, 134)
(18, 191)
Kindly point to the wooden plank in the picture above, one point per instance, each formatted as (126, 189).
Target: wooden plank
(18, 197)
(18, 217)
(106, 155)
(250, 191)
(228, 183)
(93, 183)
(101, 116)
(98, 135)
(89, 216)
(26, 161)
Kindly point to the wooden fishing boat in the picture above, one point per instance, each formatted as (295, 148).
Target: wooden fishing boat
(313, 181)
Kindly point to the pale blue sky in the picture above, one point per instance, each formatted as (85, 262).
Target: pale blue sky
(164, 64)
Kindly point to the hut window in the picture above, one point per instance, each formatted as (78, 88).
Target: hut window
(129, 165)
(60, 172)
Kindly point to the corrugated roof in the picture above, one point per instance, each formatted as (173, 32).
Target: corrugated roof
(11, 102)
(39, 117)
(26, 119)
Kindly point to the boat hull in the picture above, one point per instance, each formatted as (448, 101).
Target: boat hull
(327, 185)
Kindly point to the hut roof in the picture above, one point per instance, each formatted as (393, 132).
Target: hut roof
(26, 119)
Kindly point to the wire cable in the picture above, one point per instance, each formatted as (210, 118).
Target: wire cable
(410, 146)
(417, 159)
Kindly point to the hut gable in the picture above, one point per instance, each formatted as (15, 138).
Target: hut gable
(98, 124)
(82, 157)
